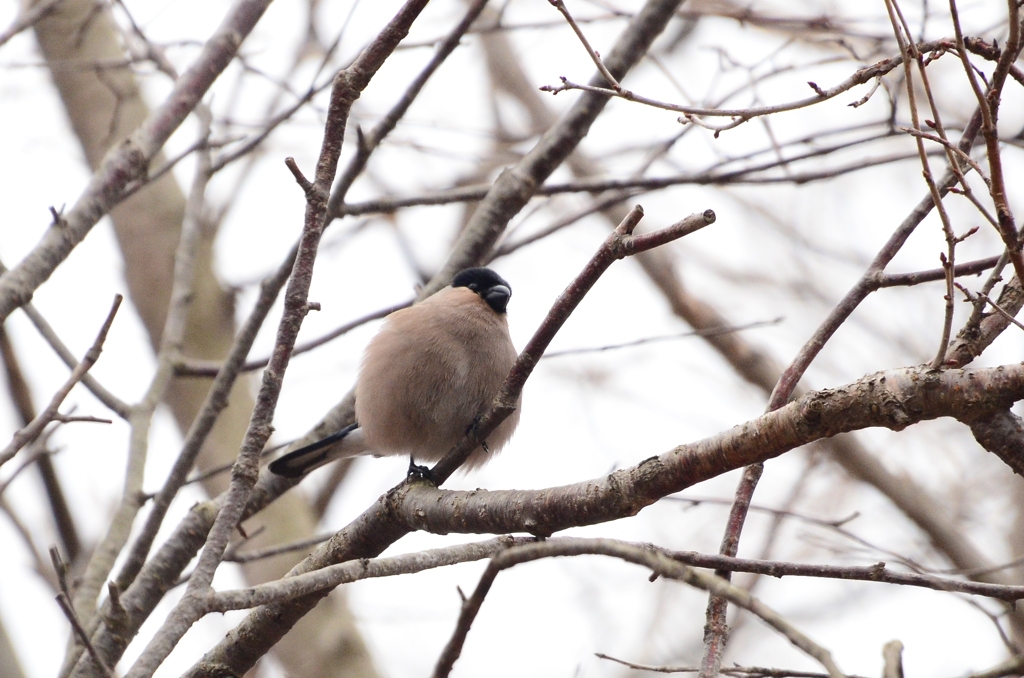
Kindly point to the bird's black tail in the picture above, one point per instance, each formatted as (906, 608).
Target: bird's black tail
(303, 460)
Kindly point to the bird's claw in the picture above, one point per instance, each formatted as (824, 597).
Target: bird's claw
(418, 472)
(473, 430)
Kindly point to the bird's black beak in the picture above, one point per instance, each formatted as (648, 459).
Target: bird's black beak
(497, 297)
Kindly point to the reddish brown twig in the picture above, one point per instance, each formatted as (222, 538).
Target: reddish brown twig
(621, 243)
(715, 627)
(594, 56)
(910, 53)
(988, 103)
(716, 632)
(911, 279)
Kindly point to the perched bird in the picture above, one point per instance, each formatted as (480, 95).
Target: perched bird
(427, 376)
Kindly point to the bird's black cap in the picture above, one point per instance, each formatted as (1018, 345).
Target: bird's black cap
(491, 287)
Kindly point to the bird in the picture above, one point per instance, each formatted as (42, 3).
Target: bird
(426, 378)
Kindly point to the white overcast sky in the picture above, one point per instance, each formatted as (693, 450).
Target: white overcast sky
(583, 415)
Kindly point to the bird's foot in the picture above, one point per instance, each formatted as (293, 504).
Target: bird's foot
(473, 429)
(417, 471)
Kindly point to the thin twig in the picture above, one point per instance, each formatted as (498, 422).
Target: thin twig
(227, 466)
(21, 396)
(348, 84)
(621, 243)
(656, 562)
(909, 52)
(245, 150)
(988, 103)
(117, 405)
(594, 56)
(949, 145)
(302, 544)
(38, 450)
(80, 633)
(28, 17)
(60, 568)
(368, 143)
(704, 178)
(710, 332)
(344, 573)
(129, 160)
(35, 427)
(910, 279)
(602, 203)
(877, 573)
(197, 368)
(984, 297)
(741, 115)
(737, 671)
(39, 563)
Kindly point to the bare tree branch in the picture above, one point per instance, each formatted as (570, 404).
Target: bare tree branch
(619, 244)
(514, 187)
(22, 398)
(1002, 434)
(28, 17)
(348, 84)
(129, 161)
(656, 562)
(35, 427)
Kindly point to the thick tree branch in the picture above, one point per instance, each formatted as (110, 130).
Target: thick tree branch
(1002, 434)
(894, 399)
